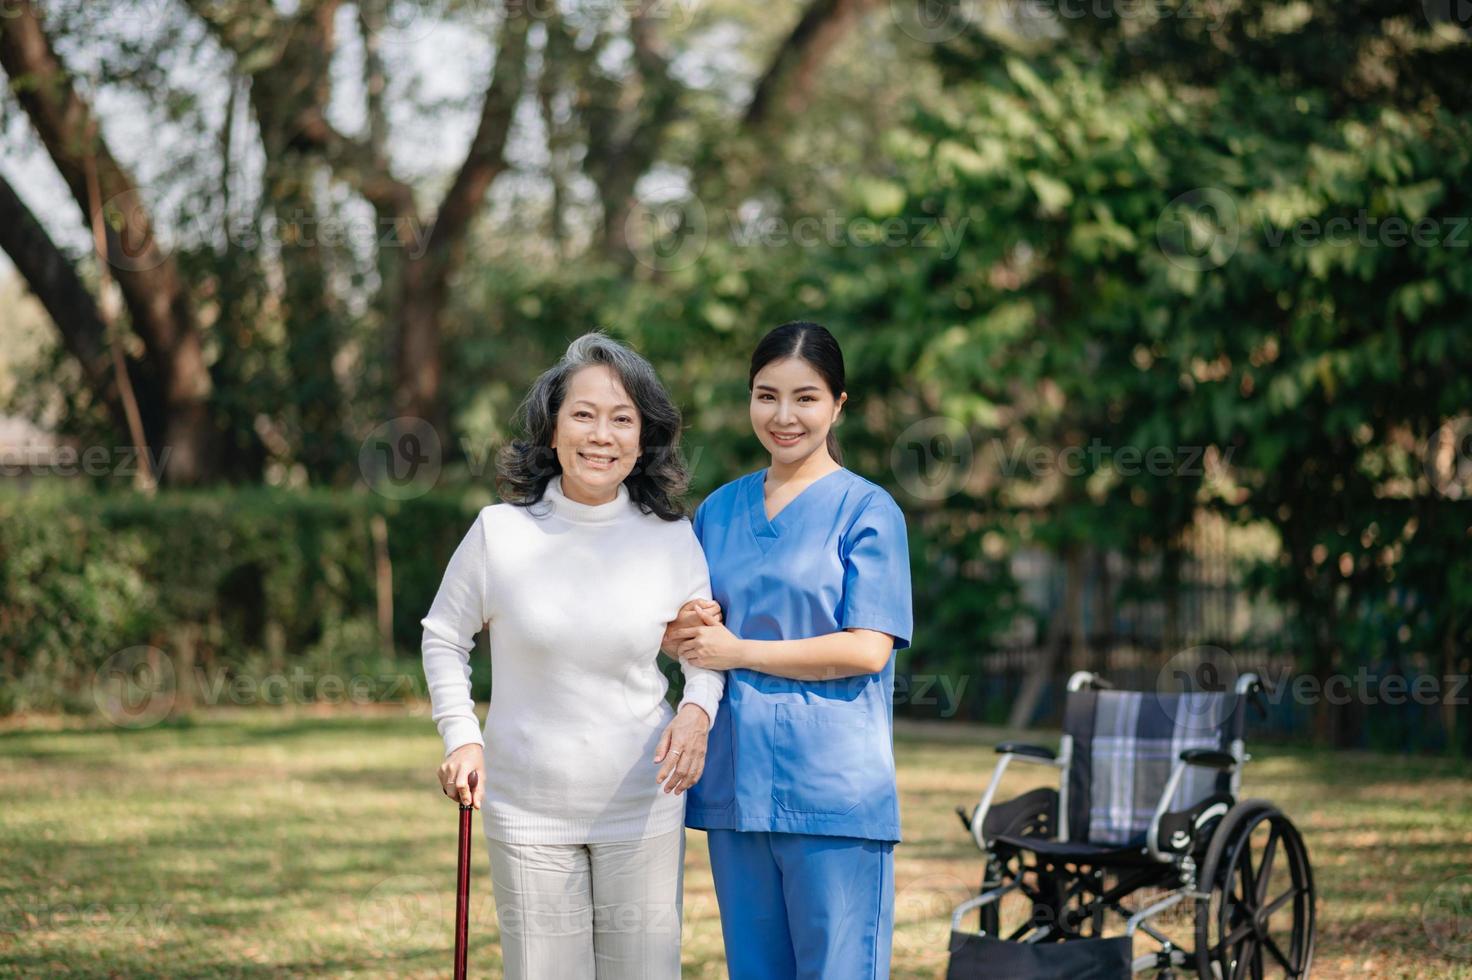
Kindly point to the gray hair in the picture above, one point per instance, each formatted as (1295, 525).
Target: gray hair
(659, 478)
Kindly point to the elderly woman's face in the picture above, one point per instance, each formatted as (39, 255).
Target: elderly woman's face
(597, 435)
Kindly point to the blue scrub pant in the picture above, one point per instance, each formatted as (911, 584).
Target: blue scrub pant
(801, 905)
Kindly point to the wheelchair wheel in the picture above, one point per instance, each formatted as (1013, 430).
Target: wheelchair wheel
(1258, 918)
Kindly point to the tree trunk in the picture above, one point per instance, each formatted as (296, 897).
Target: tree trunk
(417, 385)
(239, 291)
(426, 277)
(297, 89)
(1062, 634)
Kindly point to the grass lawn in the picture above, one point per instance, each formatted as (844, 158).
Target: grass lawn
(258, 843)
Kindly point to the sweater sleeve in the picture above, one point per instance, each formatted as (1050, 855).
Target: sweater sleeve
(457, 614)
(703, 687)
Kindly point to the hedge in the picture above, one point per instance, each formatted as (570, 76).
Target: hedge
(226, 583)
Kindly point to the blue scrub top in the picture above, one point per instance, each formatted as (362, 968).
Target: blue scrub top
(804, 757)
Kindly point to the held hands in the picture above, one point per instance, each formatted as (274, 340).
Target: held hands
(454, 774)
(689, 615)
(707, 644)
(682, 750)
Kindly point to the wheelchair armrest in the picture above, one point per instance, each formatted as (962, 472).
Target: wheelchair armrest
(1212, 758)
(1009, 751)
(1179, 829)
(1026, 751)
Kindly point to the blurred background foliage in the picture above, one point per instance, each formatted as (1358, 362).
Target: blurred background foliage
(1158, 316)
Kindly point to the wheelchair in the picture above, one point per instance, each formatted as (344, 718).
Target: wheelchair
(1146, 816)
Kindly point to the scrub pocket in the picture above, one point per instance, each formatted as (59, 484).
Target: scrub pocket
(827, 758)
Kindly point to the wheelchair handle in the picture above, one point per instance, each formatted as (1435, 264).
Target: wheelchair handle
(1259, 699)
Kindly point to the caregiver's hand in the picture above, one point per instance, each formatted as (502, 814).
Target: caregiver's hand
(709, 645)
(689, 615)
(454, 774)
(682, 750)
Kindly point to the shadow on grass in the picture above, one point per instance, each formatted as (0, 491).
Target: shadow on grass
(114, 966)
(302, 822)
(222, 727)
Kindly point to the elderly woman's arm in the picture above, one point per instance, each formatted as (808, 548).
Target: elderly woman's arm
(697, 711)
(455, 617)
(682, 747)
(703, 688)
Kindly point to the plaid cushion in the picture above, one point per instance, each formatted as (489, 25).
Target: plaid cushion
(1137, 738)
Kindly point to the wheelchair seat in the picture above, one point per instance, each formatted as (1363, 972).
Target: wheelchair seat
(1098, 855)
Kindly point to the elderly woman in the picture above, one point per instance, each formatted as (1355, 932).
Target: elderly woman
(576, 575)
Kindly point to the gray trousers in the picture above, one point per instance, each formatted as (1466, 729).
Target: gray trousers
(590, 911)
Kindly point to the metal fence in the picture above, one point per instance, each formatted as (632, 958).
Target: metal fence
(1143, 629)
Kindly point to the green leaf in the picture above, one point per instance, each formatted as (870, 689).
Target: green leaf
(1053, 194)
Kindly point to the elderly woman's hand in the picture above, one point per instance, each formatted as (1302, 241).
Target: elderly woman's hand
(682, 750)
(454, 774)
(689, 615)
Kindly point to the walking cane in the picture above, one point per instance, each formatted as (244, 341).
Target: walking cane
(462, 885)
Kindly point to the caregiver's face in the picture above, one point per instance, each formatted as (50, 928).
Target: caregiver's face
(792, 409)
(597, 435)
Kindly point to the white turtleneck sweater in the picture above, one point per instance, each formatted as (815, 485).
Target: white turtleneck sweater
(576, 598)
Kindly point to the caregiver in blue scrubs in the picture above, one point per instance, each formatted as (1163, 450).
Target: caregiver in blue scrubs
(810, 563)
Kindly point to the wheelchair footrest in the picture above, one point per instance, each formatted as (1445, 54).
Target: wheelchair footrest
(974, 957)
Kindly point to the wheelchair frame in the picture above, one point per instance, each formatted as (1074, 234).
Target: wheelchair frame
(1171, 864)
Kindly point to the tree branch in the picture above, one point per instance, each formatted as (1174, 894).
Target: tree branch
(258, 37)
(787, 85)
(159, 306)
(427, 276)
(486, 158)
(54, 281)
(626, 126)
